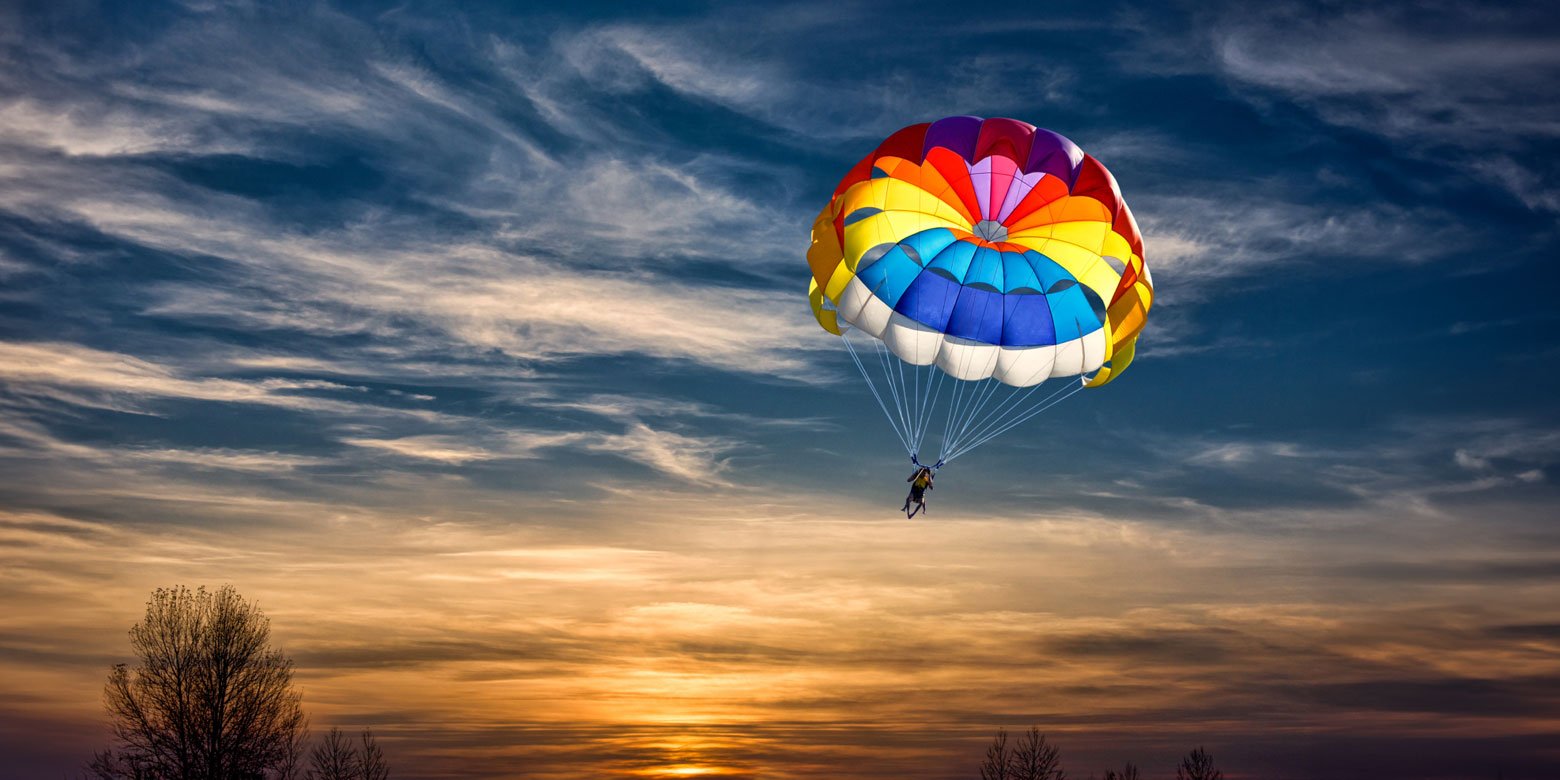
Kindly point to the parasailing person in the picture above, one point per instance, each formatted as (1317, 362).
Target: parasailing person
(978, 258)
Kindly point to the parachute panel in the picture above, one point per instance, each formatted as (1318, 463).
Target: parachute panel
(980, 249)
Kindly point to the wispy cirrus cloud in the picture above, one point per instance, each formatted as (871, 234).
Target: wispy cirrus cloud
(1408, 467)
(690, 458)
(612, 206)
(80, 375)
(49, 375)
(716, 61)
(1473, 90)
(1201, 241)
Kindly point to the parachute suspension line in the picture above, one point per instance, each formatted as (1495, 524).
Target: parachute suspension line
(898, 367)
(958, 403)
(975, 402)
(873, 387)
(904, 397)
(976, 413)
(961, 395)
(1011, 413)
(919, 403)
(1000, 415)
(982, 398)
(943, 381)
(1044, 405)
(889, 375)
(934, 383)
(953, 403)
(1021, 420)
(974, 424)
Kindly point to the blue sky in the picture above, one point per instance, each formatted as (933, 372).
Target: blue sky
(289, 278)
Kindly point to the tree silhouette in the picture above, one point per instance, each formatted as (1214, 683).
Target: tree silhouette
(209, 699)
(1035, 759)
(1129, 772)
(1031, 759)
(1198, 765)
(371, 760)
(998, 763)
(335, 758)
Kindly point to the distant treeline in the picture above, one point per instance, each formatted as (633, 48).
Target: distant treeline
(1032, 757)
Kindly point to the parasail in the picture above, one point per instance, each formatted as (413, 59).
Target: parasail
(980, 258)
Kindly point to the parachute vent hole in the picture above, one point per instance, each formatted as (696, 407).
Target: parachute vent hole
(991, 230)
(1061, 286)
(1116, 263)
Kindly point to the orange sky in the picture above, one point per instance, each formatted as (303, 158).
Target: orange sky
(744, 635)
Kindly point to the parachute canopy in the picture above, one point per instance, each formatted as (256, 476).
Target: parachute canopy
(988, 248)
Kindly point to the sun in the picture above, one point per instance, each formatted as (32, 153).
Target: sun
(682, 770)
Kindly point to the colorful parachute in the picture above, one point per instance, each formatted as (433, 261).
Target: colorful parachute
(991, 250)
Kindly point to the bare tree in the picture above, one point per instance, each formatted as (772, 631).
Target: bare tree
(1035, 759)
(1130, 772)
(371, 760)
(291, 765)
(334, 758)
(999, 760)
(109, 764)
(210, 699)
(1198, 765)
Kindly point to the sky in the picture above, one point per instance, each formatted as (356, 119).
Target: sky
(472, 344)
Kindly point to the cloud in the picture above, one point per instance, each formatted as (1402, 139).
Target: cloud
(82, 376)
(110, 380)
(621, 57)
(1199, 242)
(1408, 467)
(691, 458)
(718, 60)
(694, 459)
(599, 270)
(1475, 90)
(455, 451)
(484, 297)
(1470, 461)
